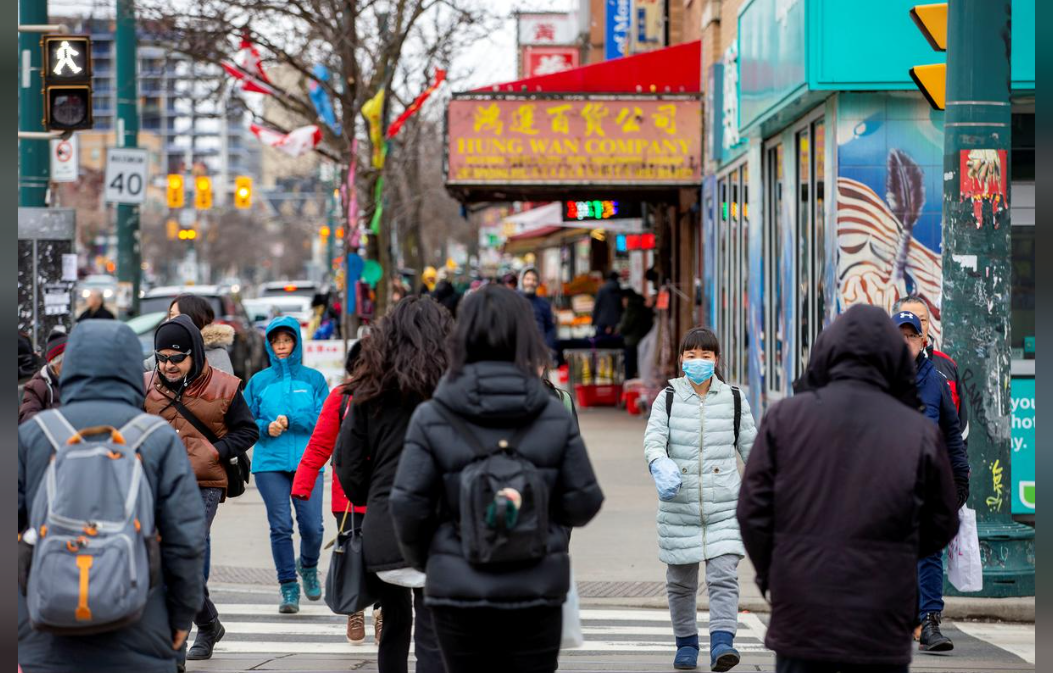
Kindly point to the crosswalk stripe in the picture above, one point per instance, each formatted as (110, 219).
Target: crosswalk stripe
(1018, 639)
(340, 629)
(590, 647)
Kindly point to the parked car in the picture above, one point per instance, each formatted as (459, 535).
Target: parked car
(265, 309)
(261, 311)
(282, 288)
(144, 326)
(248, 354)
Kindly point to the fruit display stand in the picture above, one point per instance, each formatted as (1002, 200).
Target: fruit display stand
(596, 375)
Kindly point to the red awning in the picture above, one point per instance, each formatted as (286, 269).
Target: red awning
(676, 69)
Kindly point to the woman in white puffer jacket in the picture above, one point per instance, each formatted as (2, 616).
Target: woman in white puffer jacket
(691, 452)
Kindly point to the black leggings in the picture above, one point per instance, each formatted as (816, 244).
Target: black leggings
(483, 640)
(787, 665)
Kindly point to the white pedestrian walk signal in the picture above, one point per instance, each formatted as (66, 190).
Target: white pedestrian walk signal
(65, 56)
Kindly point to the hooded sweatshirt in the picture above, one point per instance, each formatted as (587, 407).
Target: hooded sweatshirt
(286, 388)
(102, 383)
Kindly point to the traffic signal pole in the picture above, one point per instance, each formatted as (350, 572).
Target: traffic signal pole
(977, 273)
(129, 268)
(33, 160)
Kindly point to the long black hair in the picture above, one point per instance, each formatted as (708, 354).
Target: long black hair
(405, 353)
(703, 339)
(495, 323)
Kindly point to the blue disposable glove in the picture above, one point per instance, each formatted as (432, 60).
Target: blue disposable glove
(666, 478)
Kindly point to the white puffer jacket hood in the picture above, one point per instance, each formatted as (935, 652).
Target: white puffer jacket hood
(699, 523)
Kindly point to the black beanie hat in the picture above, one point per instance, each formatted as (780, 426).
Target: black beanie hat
(172, 334)
(273, 334)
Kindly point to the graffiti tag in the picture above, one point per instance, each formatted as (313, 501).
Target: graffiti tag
(994, 502)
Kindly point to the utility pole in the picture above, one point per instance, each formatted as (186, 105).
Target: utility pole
(33, 160)
(976, 276)
(129, 268)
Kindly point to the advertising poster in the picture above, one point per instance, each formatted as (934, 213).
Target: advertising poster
(1022, 466)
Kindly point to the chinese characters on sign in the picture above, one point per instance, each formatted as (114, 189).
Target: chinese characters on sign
(547, 60)
(622, 141)
(547, 29)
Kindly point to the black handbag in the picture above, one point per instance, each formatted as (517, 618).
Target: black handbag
(238, 468)
(349, 587)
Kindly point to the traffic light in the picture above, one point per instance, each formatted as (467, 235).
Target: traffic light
(187, 234)
(172, 229)
(242, 192)
(203, 192)
(932, 79)
(66, 73)
(176, 191)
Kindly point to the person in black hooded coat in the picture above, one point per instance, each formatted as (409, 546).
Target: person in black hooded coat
(847, 486)
(504, 617)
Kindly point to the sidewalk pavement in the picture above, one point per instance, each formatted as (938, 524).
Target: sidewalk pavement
(615, 557)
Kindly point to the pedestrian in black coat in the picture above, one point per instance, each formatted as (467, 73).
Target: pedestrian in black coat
(503, 617)
(607, 311)
(401, 362)
(847, 486)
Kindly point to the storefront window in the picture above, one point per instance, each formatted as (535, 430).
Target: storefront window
(819, 220)
(722, 263)
(805, 234)
(744, 282)
(732, 274)
(774, 328)
(1022, 200)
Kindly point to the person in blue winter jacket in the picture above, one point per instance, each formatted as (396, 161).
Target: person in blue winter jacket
(286, 399)
(939, 407)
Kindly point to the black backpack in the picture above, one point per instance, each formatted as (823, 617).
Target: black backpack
(735, 393)
(492, 528)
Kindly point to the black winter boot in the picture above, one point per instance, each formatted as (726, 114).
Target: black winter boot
(931, 638)
(206, 639)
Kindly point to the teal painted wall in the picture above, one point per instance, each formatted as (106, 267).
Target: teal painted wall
(854, 45)
(771, 40)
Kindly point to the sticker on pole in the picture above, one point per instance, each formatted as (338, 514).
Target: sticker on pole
(125, 175)
(65, 159)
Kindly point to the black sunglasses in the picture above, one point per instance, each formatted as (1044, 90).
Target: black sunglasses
(174, 359)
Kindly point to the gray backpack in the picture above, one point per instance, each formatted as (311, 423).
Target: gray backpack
(97, 552)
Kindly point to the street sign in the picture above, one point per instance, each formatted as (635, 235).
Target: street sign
(65, 159)
(125, 175)
(932, 79)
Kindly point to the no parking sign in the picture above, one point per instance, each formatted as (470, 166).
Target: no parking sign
(65, 159)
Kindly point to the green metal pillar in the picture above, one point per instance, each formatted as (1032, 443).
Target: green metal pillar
(976, 276)
(128, 252)
(33, 159)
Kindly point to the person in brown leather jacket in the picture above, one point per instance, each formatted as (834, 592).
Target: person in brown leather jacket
(184, 377)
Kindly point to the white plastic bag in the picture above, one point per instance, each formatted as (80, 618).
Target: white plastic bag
(964, 567)
(572, 636)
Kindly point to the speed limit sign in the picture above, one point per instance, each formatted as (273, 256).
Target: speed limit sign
(125, 175)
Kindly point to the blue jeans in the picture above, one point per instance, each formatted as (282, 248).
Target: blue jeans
(276, 490)
(930, 584)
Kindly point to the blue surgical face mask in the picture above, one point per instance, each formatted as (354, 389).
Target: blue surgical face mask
(698, 371)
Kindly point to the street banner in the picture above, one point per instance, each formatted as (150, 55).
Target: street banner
(295, 143)
(396, 126)
(618, 21)
(622, 141)
(65, 159)
(539, 61)
(547, 28)
(248, 70)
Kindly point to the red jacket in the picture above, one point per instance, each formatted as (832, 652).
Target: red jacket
(320, 449)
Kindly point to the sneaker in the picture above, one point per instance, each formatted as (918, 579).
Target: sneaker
(356, 628)
(722, 653)
(290, 604)
(311, 587)
(378, 624)
(686, 654)
(932, 640)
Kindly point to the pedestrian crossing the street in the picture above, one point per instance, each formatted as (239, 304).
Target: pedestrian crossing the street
(256, 628)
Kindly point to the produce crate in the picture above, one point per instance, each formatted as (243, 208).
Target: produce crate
(596, 375)
(598, 396)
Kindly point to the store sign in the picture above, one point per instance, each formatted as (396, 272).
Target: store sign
(648, 29)
(327, 357)
(616, 44)
(578, 211)
(548, 60)
(622, 141)
(547, 29)
(730, 111)
(1022, 464)
(634, 242)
